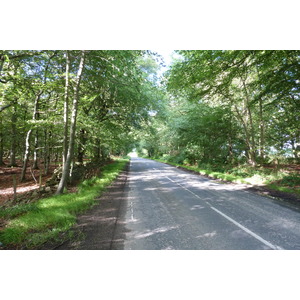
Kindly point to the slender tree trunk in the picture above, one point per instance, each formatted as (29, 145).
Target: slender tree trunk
(66, 109)
(230, 136)
(252, 149)
(97, 150)
(1, 142)
(67, 165)
(35, 153)
(262, 131)
(261, 125)
(36, 137)
(26, 155)
(46, 152)
(81, 145)
(13, 139)
(296, 148)
(27, 144)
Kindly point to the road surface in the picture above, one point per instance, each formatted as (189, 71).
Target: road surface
(168, 208)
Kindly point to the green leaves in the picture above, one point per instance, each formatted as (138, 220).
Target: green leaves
(240, 102)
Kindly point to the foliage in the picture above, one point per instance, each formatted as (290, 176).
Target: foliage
(118, 89)
(228, 107)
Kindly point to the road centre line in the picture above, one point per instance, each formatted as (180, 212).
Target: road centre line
(270, 245)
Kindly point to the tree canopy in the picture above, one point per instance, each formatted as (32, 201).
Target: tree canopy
(211, 106)
(91, 100)
(230, 106)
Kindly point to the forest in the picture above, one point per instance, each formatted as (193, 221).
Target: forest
(66, 108)
(210, 109)
(230, 114)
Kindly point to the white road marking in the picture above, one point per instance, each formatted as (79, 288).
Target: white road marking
(187, 189)
(248, 230)
(270, 245)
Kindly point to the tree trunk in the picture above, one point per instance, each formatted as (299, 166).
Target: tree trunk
(261, 125)
(97, 151)
(13, 139)
(26, 155)
(67, 165)
(46, 152)
(35, 153)
(252, 150)
(36, 137)
(81, 145)
(295, 148)
(1, 143)
(262, 131)
(27, 144)
(66, 108)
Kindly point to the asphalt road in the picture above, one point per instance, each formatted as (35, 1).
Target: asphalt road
(168, 208)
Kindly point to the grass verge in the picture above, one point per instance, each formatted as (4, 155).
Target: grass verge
(28, 226)
(272, 179)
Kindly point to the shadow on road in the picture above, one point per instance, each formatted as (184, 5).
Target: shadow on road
(96, 229)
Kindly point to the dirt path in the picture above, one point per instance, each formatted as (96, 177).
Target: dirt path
(95, 230)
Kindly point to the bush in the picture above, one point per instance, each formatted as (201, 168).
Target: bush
(178, 159)
(291, 180)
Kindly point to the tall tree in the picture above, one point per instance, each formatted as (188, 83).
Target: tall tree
(74, 112)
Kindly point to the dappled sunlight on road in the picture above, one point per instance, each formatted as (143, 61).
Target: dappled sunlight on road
(206, 235)
(169, 208)
(182, 178)
(154, 231)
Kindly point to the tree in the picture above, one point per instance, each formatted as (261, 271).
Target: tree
(74, 112)
(245, 81)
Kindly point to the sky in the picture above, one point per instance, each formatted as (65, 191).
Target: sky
(167, 55)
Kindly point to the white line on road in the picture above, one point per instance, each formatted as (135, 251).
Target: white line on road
(248, 230)
(186, 189)
(231, 220)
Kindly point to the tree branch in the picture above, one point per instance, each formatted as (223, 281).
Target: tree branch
(4, 107)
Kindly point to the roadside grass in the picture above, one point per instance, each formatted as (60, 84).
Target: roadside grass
(276, 179)
(31, 225)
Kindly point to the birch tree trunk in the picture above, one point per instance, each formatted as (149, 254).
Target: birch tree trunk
(67, 165)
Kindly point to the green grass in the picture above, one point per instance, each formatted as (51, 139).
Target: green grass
(31, 225)
(278, 180)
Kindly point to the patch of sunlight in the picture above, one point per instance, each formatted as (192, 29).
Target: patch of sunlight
(133, 154)
(256, 179)
(197, 207)
(155, 231)
(208, 234)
